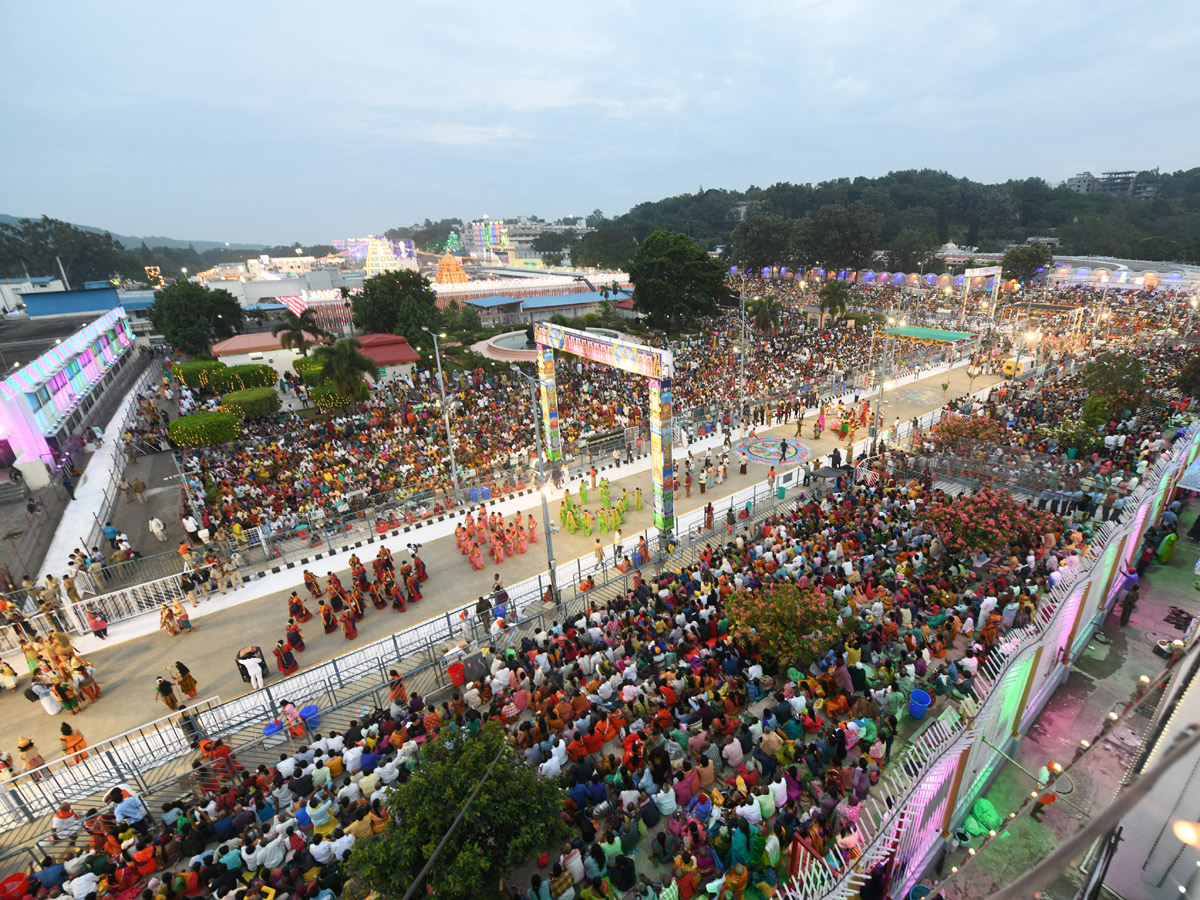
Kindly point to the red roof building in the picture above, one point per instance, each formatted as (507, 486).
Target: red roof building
(388, 349)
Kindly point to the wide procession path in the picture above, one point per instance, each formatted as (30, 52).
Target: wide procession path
(128, 664)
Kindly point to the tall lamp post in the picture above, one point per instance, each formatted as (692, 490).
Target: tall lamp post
(437, 353)
(545, 486)
(883, 372)
(742, 366)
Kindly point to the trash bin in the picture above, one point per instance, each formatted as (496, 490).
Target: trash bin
(485, 492)
(273, 734)
(311, 716)
(474, 495)
(780, 492)
(919, 892)
(457, 673)
(918, 702)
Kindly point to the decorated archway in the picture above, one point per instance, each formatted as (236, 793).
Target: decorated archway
(657, 366)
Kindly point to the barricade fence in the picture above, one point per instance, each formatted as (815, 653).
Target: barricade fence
(922, 805)
(146, 755)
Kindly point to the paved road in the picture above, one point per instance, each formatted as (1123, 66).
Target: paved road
(127, 671)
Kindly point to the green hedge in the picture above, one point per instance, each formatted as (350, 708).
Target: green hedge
(196, 374)
(252, 403)
(327, 398)
(238, 378)
(311, 371)
(202, 429)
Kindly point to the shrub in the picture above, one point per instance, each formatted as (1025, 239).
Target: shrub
(990, 520)
(252, 403)
(311, 371)
(203, 429)
(238, 378)
(197, 374)
(327, 398)
(788, 623)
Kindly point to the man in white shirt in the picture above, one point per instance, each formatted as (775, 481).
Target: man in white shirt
(322, 850)
(342, 843)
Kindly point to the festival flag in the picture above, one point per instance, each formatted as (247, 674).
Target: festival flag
(296, 303)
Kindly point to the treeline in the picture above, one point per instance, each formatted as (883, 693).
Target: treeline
(926, 208)
(37, 246)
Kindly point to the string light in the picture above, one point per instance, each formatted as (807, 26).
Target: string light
(1084, 744)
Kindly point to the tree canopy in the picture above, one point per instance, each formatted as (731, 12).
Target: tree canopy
(674, 280)
(604, 248)
(514, 817)
(834, 298)
(37, 246)
(1023, 262)
(344, 365)
(1119, 378)
(397, 303)
(295, 330)
(190, 315)
(938, 205)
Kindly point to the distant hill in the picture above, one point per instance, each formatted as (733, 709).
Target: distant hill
(132, 242)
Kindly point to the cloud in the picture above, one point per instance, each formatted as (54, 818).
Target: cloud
(459, 133)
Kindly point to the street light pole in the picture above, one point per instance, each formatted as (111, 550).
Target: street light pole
(883, 374)
(545, 486)
(437, 353)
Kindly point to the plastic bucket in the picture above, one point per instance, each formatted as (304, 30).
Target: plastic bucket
(780, 492)
(474, 495)
(272, 728)
(919, 892)
(457, 673)
(486, 492)
(311, 716)
(918, 702)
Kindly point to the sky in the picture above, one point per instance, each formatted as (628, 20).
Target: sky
(271, 122)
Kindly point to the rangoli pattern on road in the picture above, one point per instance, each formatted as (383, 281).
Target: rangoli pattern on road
(771, 451)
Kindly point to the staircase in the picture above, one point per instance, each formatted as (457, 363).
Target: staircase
(11, 492)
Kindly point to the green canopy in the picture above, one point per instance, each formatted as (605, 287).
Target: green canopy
(929, 334)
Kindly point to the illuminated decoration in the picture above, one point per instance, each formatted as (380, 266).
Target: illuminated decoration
(657, 366)
(452, 244)
(378, 254)
(36, 400)
(450, 271)
(154, 274)
(484, 237)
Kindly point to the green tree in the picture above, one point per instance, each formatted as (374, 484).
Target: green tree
(344, 366)
(760, 241)
(834, 298)
(397, 303)
(908, 251)
(1188, 380)
(297, 328)
(674, 280)
(1023, 262)
(190, 315)
(1119, 378)
(845, 237)
(605, 248)
(554, 241)
(765, 312)
(37, 246)
(513, 817)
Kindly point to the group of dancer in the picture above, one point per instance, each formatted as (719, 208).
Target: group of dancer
(577, 517)
(342, 607)
(501, 539)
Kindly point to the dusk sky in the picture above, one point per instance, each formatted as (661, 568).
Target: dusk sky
(273, 122)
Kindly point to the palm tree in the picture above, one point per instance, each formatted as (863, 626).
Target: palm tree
(344, 366)
(296, 329)
(835, 297)
(766, 312)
